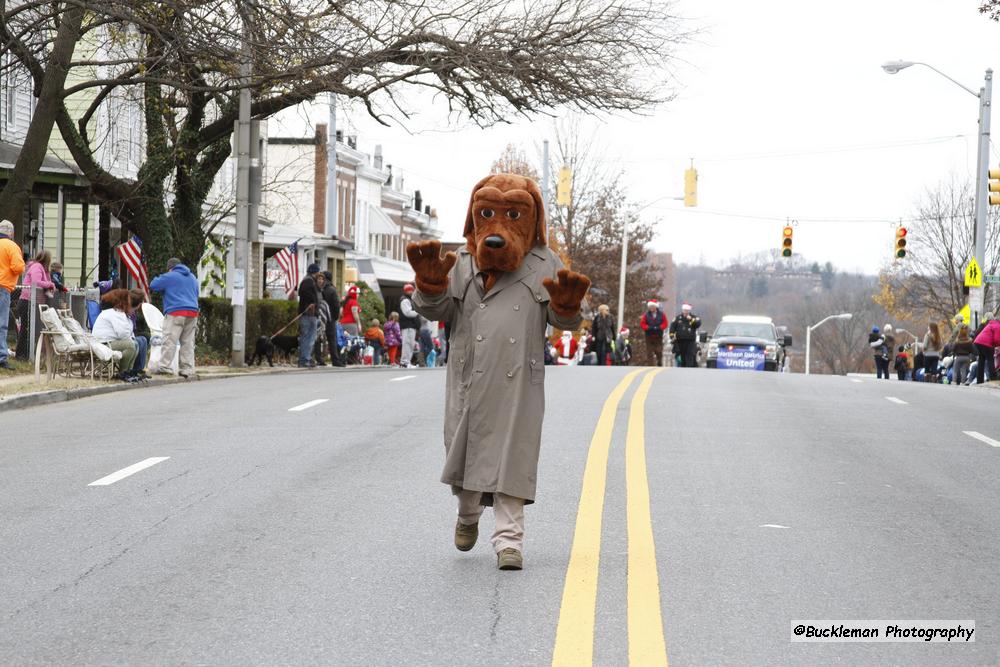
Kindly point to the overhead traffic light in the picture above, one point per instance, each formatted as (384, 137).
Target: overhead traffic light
(786, 242)
(900, 242)
(994, 187)
(691, 186)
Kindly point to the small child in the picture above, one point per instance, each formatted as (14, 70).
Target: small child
(393, 337)
(375, 338)
(900, 363)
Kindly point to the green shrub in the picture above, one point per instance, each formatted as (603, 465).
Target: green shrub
(371, 305)
(264, 318)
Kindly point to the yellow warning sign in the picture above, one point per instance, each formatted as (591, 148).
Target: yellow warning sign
(973, 275)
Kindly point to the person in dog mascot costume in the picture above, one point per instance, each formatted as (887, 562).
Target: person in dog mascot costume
(498, 293)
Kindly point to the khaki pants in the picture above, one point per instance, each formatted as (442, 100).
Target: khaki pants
(508, 531)
(178, 329)
(129, 350)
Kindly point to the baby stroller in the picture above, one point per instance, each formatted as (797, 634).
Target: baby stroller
(353, 352)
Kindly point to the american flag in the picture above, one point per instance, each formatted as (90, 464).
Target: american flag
(288, 260)
(131, 256)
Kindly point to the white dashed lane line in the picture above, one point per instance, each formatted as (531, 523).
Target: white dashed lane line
(131, 470)
(405, 377)
(310, 404)
(982, 438)
(896, 400)
(856, 380)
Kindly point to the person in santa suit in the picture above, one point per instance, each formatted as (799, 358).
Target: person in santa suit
(566, 347)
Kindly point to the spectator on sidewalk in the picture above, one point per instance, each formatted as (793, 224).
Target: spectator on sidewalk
(987, 339)
(932, 353)
(36, 279)
(428, 352)
(900, 363)
(409, 324)
(332, 300)
(141, 336)
(322, 321)
(623, 347)
(963, 350)
(308, 316)
(375, 338)
(880, 350)
(180, 323)
(653, 323)
(60, 290)
(11, 267)
(603, 329)
(350, 319)
(393, 338)
(114, 328)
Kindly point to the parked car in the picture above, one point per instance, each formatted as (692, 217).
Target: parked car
(747, 342)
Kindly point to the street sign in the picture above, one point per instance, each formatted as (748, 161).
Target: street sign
(994, 278)
(973, 275)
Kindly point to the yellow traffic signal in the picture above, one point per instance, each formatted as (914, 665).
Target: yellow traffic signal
(786, 242)
(994, 187)
(691, 187)
(564, 189)
(900, 242)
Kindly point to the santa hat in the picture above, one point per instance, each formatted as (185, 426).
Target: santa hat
(653, 302)
(686, 306)
(407, 288)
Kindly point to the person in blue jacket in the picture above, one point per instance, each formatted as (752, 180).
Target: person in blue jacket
(180, 308)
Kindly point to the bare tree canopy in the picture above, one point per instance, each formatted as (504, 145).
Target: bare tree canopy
(489, 60)
(929, 282)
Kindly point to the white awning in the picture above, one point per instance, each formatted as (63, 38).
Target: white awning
(383, 269)
(380, 223)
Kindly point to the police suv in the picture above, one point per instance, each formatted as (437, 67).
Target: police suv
(747, 342)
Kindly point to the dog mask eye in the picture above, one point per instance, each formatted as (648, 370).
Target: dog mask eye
(486, 213)
(513, 214)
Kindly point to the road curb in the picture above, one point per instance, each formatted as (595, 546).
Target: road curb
(34, 399)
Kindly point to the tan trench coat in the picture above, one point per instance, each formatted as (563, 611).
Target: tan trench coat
(495, 396)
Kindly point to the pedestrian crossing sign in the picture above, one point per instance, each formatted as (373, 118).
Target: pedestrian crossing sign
(973, 275)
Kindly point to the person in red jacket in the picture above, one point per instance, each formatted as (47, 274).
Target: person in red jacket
(653, 324)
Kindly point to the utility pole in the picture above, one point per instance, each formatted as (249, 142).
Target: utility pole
(982, 177)
(241, 250)
(332, 222)
(621, 276)
(545, 178)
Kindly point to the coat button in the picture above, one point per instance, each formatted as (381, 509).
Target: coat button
(479, 337)
(461, 360)
(512, 341)
(533, 362)
(510, 374)
(481, 306)
(517, 306)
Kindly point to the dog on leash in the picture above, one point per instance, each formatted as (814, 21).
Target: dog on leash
(265, 348)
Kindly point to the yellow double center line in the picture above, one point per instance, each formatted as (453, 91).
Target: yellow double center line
(575, 633)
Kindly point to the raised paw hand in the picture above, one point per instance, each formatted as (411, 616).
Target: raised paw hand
(567, 291)
(430, 267)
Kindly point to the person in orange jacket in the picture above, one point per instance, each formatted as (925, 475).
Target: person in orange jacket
(11, 267)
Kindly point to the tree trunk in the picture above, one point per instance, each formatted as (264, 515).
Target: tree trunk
(17, 192)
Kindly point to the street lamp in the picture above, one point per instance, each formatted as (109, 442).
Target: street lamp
(621, 275)
(842, 316)
(982, 166)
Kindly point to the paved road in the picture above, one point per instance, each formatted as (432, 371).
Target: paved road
(321, 535)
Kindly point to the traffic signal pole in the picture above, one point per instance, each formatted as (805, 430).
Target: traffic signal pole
(981, 207)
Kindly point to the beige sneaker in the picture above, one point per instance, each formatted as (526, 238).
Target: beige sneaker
(466, 535)
(510, 559)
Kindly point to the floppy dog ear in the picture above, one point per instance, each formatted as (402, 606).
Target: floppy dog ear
(540, 226)
(470, 230)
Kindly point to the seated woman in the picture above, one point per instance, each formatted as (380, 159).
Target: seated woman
(114, 328)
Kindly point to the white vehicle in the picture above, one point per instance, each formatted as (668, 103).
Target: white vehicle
(747, 342)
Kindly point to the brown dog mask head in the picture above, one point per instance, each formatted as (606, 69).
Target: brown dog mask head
(505, 221)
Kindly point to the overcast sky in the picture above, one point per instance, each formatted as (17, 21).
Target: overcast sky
(787, 113)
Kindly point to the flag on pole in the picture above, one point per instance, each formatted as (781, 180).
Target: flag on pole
(288, 260)
(131, 256)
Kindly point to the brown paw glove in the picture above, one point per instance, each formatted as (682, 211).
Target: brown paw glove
(566, 292)
(430, 268)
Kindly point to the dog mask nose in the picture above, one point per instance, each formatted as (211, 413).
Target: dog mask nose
(494, 241)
